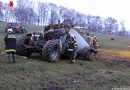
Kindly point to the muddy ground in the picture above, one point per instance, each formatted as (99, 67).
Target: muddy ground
(104, 71)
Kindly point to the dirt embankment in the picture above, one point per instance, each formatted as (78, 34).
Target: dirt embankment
(111, 57)
(118, 55)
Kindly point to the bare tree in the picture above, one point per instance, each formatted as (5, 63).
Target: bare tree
(111, 25)
(25, 13)
(42, 13)
(1, 13)
(122, 31)
(96, 24)
(53, 13)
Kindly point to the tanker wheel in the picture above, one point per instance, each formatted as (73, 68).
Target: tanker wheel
(21, 48)
(51, 51)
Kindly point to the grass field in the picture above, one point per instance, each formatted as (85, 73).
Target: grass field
(109, 69)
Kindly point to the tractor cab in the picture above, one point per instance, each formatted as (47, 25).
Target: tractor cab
(55, 31)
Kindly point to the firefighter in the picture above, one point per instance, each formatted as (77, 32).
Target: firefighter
(71, 48)
(10, 44)
(96, 43)
(91, 39)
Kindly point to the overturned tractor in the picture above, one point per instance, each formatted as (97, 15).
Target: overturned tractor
(51, 42)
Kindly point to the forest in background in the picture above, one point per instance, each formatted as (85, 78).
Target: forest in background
(42, 13)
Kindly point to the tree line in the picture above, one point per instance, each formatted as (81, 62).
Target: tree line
(42, 13)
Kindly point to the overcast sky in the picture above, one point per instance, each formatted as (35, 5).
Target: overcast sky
(118, 9)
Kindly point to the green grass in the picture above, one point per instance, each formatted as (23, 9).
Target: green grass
(120, 43)
(36, 74)
(2, 26)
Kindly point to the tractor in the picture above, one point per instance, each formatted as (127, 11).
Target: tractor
(51, 42)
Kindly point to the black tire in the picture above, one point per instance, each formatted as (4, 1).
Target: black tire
(24, 31)
(51, 51)
(21, 48)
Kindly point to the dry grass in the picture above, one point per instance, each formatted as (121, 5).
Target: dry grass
(116, 53)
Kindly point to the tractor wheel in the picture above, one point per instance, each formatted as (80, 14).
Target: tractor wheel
(51, 51)
(24, 31)
(21, 48)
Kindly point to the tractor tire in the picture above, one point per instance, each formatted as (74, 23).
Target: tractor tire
(51, 50)
(23, 31)
(21, 48)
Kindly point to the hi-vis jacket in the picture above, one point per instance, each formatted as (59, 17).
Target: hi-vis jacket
(71, 45)
(10, 42)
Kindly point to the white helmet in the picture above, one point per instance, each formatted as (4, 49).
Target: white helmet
(10, 30)
(72, 36)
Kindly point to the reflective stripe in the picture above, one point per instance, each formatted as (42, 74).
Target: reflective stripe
(11, 36)
(10, 50)
(70, 49)
(70, 41)
(75, 45)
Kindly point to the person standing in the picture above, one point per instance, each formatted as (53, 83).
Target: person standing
(10, 44)
(71, 48)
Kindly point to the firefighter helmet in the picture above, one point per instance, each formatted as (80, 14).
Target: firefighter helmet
(72, 36)
(10, 30)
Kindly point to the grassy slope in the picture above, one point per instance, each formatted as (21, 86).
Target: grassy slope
(120, 43)
(34, 74)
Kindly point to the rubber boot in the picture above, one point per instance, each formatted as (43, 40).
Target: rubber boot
(9, 58)
(73, 61)
(13, 56)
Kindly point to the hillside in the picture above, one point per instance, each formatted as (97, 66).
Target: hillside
(109, 69)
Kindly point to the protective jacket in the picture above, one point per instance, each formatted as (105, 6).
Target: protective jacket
(71, 45)
(10, 42)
